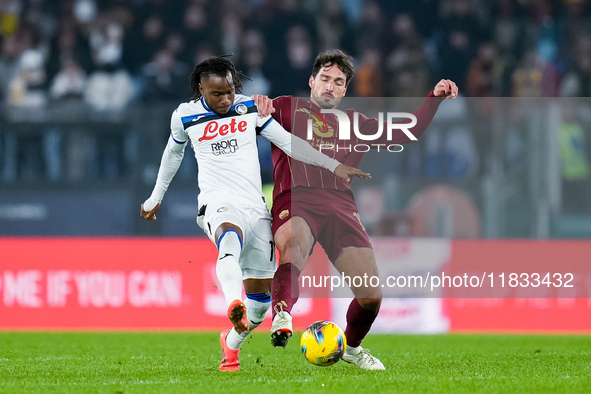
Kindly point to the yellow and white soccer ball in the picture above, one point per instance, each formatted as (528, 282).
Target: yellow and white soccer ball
(323, 343)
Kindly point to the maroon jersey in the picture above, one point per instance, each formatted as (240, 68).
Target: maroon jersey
(293, 114)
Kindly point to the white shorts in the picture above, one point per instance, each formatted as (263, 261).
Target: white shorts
(257, 259)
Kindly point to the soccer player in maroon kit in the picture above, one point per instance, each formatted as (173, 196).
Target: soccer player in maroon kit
(311, 205)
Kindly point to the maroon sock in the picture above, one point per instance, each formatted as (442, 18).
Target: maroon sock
(285, 289)
(359, 321)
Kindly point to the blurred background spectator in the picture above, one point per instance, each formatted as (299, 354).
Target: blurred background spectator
(490, 47)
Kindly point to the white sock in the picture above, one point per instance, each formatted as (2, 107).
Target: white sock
(227, 267)
(255, 312)
(351, 350)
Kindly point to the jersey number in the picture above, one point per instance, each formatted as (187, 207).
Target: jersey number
(272, 250)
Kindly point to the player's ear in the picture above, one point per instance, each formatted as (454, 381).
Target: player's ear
(201, 89)
(311, 82)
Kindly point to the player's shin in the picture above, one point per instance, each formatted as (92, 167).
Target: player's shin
(257, 305)
(359, 322)
(227, 267)
(285, 288)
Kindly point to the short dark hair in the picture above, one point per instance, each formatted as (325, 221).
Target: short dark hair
(331, 57)
(215, 65)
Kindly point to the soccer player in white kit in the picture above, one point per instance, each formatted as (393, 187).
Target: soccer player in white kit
(222, 127)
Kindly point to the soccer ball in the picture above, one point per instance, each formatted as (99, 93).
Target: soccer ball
(323, 343)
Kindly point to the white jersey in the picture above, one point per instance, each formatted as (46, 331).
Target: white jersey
(225, 148)
(226, 151)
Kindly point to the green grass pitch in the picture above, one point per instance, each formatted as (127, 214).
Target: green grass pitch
(188, 363)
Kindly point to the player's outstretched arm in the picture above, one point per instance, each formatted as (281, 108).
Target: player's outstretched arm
(169, 165)
(424, 115)
(264, 105)
(299, 149)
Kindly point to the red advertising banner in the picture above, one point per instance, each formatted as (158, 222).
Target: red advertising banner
(170, 284)
(116, 284)
(538, 286)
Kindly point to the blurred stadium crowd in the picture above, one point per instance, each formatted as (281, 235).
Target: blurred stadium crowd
(111, 52)
(79, 73)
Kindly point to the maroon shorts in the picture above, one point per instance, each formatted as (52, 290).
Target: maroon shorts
(331, 214)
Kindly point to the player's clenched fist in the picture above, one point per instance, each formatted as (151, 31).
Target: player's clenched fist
(446, 88)
(149, 214)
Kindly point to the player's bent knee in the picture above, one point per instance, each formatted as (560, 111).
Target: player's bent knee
(294, 253)
(284, 249)
(283, 245)
(294, 239)
(372, 304)
(367, 293)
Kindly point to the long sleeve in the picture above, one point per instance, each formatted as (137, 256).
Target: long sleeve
(424, 115)
(169, 165)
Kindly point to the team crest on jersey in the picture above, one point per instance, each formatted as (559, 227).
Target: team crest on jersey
(284, 214)
(320, 127)
(222, 209)
(241, 109)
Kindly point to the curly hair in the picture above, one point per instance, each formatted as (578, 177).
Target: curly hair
(215, 65)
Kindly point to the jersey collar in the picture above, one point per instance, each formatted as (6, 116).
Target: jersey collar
(205, 105)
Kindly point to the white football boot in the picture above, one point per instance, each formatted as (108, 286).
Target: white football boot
(282, 329)
(363, 359)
